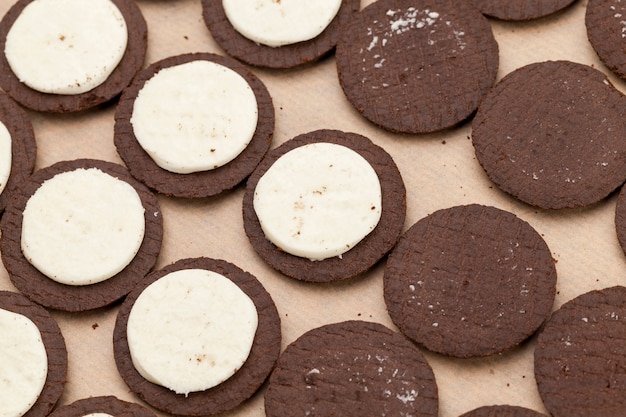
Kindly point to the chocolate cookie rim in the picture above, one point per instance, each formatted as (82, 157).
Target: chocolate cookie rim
(74, 298)
(102, 404)
(131, 63)
(499, 11)
(502, 410)
(203, 183)
(54, 344)
(23, 145)
(235, 390)
(363, 255)
(282, 57)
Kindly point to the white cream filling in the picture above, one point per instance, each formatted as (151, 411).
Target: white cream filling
(280, 22)
(191, 330)
(318, 201)
(5, 156)
(194, 126)
(83, 226)
(66, 46)
(23, 364)
(98, 415)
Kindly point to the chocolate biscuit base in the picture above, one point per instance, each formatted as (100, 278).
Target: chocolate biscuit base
(131, 63)
(604, 22)
(353, 368)
(469, 281)
(198, 184)
(235, 390)
(551, 134)
(417, 67)
(282, 57)
(54, 344)
(502, 411)
(368, 251)
(519, 10)
(43, 290)
(105, 404)
(23, 146)
(580, 357)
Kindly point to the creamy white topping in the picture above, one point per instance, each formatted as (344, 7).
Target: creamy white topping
(318, 201)
(98, 415)
(66, 46)
(23, 364)
(191, 330)
(278, 23)
(194, 126)
(83, 226)
(5, 156)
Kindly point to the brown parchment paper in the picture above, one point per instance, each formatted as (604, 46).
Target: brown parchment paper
(439, 170)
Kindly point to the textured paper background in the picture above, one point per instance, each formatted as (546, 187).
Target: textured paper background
(439, 170)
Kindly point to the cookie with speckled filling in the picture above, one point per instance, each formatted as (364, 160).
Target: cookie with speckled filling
(106, 404)
(23, 146)
(282, 57)
(606, 31)
(552, 134)
(53, 342)
(131, 63)
(518, 10)
(236, 389)
(470, 281)
(352, 368)
(580, 357)
(417, 67)
(502, 411)
(202, 183)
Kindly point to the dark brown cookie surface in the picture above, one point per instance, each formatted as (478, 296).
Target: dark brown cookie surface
(105, 404)
(352, 368)
(469, 281)
(235, 390)
(606, 31)
(502, 411)
(130, 64)
(417, 67)
(518, 10)
(287, 56)
(580, 358)
(43, 290)
(54, 344)
(23, 145)
(363, 255)
(198, 184)
(552, 135)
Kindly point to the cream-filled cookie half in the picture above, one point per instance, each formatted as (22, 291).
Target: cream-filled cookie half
(5, 156)
(82, 226)
(191, 330)
(66, 46)
(23, 364)
(196, 126)
(318, 201)
(278, 23)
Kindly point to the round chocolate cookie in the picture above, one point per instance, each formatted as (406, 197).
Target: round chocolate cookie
(132, 61)
(54, 344)
(352, 368)
(52, 294)
(552, 135)
(418, 67)
(517, 10)
(23, 146)
(281, 57)
(502, 411)
(469, 281)
(106, 404)
(201, 183)
(606, 31)
(236, 389)
(580, 358)
(360, 257)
